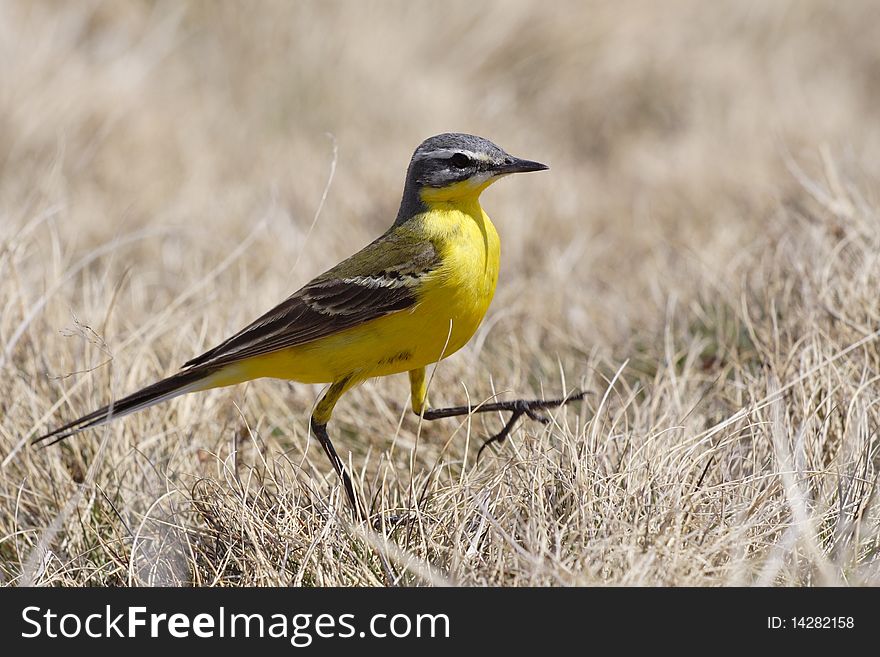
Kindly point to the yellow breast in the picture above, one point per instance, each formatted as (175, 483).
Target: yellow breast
(459, 293)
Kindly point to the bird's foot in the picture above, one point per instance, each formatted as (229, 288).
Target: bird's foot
(529, 408)
(516, 407)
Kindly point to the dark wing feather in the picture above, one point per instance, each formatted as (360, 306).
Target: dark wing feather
(378, 280)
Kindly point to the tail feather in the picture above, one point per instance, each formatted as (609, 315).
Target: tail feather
(173, 386)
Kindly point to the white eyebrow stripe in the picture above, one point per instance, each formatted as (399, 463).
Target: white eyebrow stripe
(446, 153)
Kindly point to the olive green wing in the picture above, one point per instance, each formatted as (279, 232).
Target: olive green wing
(380, 279)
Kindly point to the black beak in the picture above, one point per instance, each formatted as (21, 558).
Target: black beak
(516, 165)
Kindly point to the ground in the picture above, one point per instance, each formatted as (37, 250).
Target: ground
(702, 257)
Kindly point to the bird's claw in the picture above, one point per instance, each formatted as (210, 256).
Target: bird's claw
(537, 417)
(522, 407)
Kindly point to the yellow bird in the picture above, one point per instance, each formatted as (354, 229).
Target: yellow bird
(410, 298)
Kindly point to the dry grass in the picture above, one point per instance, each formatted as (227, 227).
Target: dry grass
(703, 256)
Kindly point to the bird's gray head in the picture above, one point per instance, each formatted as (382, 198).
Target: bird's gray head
(453, 165)
(453, 157)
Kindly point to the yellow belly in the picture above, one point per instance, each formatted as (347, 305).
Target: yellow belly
(451, 304)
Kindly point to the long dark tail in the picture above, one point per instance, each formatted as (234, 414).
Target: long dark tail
(177, 384)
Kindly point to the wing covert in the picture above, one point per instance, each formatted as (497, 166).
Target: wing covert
(380, 279)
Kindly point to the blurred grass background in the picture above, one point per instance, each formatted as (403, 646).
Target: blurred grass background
(707, 229)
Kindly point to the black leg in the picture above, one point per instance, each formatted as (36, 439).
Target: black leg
(320, 431)
(516, 407)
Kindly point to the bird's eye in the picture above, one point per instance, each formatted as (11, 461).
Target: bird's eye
(460, 161)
